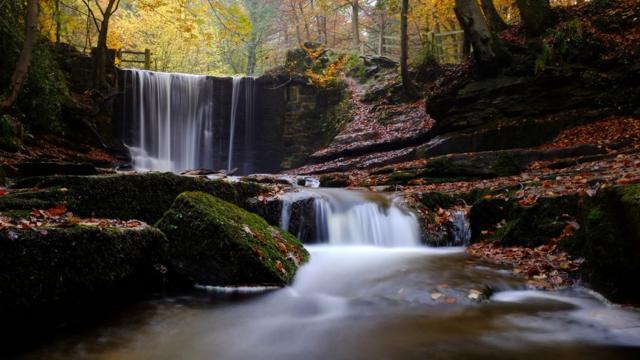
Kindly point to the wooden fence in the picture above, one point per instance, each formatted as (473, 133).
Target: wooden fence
(136, 57)
(447, 47)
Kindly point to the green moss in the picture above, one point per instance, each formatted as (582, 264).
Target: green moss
(334, 181)
(216, 243)
(400, 177)
(59, 267)
(508, 164)
(9, 138)
(434, 200)
(139, 196)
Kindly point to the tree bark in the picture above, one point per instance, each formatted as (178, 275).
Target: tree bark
(355, 25)
(24, 60)
(100, 54)
(536, 15)
(488, 51)
(407, 84)
(381, 35)
(58, 21)
(493, 18)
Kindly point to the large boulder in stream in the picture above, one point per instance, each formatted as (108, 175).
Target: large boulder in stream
(132, 196)
(51, 274)
(213, 242)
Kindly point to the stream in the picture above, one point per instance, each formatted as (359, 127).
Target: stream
(367, 294)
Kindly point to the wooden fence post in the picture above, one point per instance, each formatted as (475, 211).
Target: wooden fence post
(147, 59)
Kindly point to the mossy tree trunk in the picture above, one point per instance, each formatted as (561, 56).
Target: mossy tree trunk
(24, 61)
(536, 15)
(488, 51)
(493, 18)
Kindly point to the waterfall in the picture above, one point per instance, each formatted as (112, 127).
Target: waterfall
(178, 122)
(461, 228)
(235, 94)
(249, 120)
(345, 217)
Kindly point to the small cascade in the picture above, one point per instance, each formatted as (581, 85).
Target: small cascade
(285, 214)
(344, 217)
(460, 229)
(235, 94)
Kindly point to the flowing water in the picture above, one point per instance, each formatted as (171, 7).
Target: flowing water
(369, 292)
(178, 122)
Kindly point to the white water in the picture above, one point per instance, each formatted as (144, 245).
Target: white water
(174, 121)
(346, 217)
(169, 122)
(235, 94)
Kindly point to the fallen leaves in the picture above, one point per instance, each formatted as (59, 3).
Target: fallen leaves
(544, 266)
(619, 132)
(59, 217)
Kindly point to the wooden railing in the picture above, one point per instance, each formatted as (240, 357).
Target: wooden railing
(136, 57)
(447, 47)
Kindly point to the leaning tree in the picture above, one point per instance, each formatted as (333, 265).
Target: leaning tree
(488, 51)
(24, 60)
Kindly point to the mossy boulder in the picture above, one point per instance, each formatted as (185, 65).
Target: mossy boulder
(609, 240)
(213, 242)
(133, 196)
(49, 272)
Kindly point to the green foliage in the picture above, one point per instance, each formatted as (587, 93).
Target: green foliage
(40, 101)
(8, 137)
(43, 94)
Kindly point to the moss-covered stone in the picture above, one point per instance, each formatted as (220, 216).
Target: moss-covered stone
(536, 225)
(137, 196)
(609, 240)
(486, 213)
(52, 269)
(213, 242)
(334, 180)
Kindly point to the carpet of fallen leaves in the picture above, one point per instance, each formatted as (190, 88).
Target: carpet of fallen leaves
(621, 133)
(376, 123)
(544, 266)
(60, 217)
(49, 148)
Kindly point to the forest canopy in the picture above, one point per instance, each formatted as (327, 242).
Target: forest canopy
(249, 36)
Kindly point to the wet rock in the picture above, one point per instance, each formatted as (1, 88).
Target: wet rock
(212, 242)
(499, 163)
(132, 196)
(511, 135)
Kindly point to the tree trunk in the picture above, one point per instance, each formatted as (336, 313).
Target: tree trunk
(536, 15)
(296, 22)
(24, 60)
(381, 35)
(407, 84)
(305, 22)
(100, 61)
(355, 25)
(495, 21)
(58, 21)
(488, 51)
